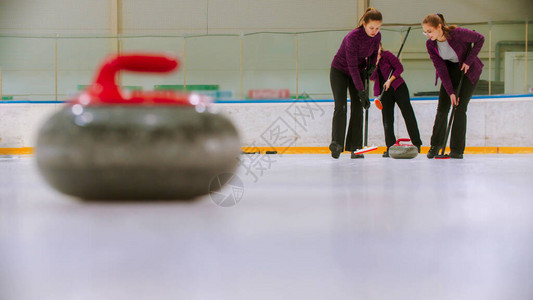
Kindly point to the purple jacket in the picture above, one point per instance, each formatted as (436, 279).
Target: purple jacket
(351, 56)
(459, 40)
(387, 62)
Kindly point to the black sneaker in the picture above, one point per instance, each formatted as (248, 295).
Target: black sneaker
(434, 150)
(386, 154)
(418, 147)
(456, 155)
(353, 156)
(335, 149)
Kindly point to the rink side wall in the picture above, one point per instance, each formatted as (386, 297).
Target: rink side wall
(498, 124)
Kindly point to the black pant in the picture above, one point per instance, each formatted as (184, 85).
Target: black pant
(401, 97)
(458, 134)
(340, 83)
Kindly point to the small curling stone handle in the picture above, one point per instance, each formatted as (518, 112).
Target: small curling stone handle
(401, 140)
(105, 87)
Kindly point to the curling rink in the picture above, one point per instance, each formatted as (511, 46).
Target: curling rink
(300, 226)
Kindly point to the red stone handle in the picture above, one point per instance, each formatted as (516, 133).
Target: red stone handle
(104, 87)
(401, 140)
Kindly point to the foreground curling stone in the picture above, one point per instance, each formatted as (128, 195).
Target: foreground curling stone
(399, 150)
(147, 146)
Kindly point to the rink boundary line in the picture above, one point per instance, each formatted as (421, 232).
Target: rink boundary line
(478, 98)
(16, 151)
(321, 150)
(380, 150)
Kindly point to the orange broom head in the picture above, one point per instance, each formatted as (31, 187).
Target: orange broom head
(378, 104)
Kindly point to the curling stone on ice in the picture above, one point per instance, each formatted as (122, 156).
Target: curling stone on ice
(106, 144)
(400, 150)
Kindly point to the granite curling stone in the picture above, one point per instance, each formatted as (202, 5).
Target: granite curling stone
(154, 145)
(400, 150)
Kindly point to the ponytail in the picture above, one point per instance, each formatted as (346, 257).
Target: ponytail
(435, 19)
(371, 14)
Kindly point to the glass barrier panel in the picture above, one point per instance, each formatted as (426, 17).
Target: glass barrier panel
(269, 65)
(509, 56)
(78, 61)
(171, 45)
(254, 65)
(529, 54)
(315, 54)
(28, 68)
(213, 66)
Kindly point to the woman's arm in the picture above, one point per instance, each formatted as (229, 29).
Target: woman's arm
(352, 60)
(470, 36)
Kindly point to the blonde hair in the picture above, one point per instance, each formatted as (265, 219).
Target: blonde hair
(435, 19)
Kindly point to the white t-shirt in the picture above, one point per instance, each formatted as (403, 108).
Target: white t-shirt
(447, 52)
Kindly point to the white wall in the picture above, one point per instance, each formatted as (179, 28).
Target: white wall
(54, 16)
(225, 16)
(460, 11)
(308, 124)
(170, 16)
(236, 16)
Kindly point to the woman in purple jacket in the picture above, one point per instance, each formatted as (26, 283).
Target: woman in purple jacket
(447, 47)
(352, 64)
(398, 94)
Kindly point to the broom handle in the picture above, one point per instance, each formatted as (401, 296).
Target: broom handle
(366, 115)
(400, 51)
